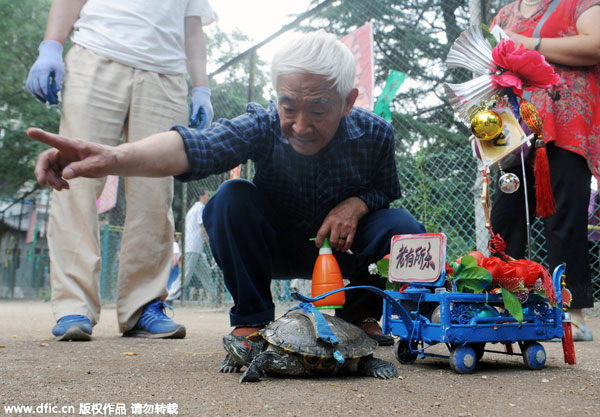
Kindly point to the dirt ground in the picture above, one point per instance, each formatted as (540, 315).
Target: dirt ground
(161, 377)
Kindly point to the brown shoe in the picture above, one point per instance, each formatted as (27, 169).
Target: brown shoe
(372, 328)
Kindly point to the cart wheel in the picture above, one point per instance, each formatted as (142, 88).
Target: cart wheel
(479, 349)
(534, 355)
(463, 359)
(403, 353)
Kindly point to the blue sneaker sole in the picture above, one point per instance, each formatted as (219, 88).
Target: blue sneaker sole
(178, 333)
(74, 334)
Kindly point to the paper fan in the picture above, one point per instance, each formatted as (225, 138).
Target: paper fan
(473, 52)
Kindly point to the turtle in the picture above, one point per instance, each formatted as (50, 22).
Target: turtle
(290, 346)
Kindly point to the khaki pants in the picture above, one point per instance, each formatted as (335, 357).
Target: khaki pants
(102, 102)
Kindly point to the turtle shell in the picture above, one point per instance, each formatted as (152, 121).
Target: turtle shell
(295, 332)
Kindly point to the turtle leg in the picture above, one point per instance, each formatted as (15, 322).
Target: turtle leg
(378, 368)
(255, 370)
(229, 365)
(273, 361)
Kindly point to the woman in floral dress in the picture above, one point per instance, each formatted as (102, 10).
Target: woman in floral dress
(567, 34)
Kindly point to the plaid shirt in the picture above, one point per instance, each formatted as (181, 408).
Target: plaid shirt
(359, 161)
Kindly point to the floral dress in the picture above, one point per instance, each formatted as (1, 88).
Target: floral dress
(570, 109)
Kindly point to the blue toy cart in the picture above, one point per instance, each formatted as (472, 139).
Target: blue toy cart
(467, 322)
(424, 312)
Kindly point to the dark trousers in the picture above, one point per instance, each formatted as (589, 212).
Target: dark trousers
(566, 231)
(253, 243)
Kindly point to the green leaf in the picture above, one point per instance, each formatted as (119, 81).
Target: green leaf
(512, 304)
(488, 35)
(383, 267)
(540, 293)
(468, 261)
(392, 286)
(470, 277)
(478, 273)
(469, 285)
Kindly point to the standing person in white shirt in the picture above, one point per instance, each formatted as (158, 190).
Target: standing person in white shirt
(124, 76)
(196, 260)
(175, 275)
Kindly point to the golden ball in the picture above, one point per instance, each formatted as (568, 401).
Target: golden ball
(486, 125)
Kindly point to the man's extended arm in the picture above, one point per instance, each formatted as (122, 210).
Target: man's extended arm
(159, 155)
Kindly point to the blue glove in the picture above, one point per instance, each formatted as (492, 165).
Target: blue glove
(201, 111)
(46, 75)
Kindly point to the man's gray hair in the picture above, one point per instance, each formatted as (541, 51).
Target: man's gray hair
(318, 53)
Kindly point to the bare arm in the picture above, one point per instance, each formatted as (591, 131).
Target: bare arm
(579, 50)
(159, 155)
(61, 18)
(195, 51)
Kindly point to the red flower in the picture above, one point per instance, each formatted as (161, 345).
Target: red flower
(521, 69)
(449, 270)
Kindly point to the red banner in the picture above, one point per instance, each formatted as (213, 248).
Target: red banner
(360, 43)
(108, 198)
(31, 228)
(235, 172)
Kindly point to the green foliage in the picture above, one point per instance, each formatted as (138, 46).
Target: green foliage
(383, 267)
(229, 90)
(392, 286)
(469, 277)
(21, 29)
(512, 304)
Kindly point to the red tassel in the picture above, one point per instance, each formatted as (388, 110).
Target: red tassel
(543, 188)
(567, 343)
(548, 287)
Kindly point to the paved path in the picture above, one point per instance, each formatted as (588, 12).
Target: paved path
(113, 372)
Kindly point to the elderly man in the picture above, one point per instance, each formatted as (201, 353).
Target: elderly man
(322, 168)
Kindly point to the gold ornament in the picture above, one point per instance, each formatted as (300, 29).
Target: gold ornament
(486, 125)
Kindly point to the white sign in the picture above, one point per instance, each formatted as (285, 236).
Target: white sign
(417, 258)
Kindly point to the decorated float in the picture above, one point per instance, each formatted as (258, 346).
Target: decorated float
(476, 301)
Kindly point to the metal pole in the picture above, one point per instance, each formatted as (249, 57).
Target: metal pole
(251, 75)
(475, 18)
(183, 240)
(526, 205)
(251, 85)
(104, 257)
(16, 253)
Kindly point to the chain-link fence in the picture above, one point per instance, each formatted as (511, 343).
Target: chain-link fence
(439, 176)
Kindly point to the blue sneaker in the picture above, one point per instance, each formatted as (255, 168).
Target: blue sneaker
(73, 327)
(154, 324)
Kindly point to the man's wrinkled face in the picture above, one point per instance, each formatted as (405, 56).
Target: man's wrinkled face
(310, 111)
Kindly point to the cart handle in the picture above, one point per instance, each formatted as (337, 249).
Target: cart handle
(403, 314)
